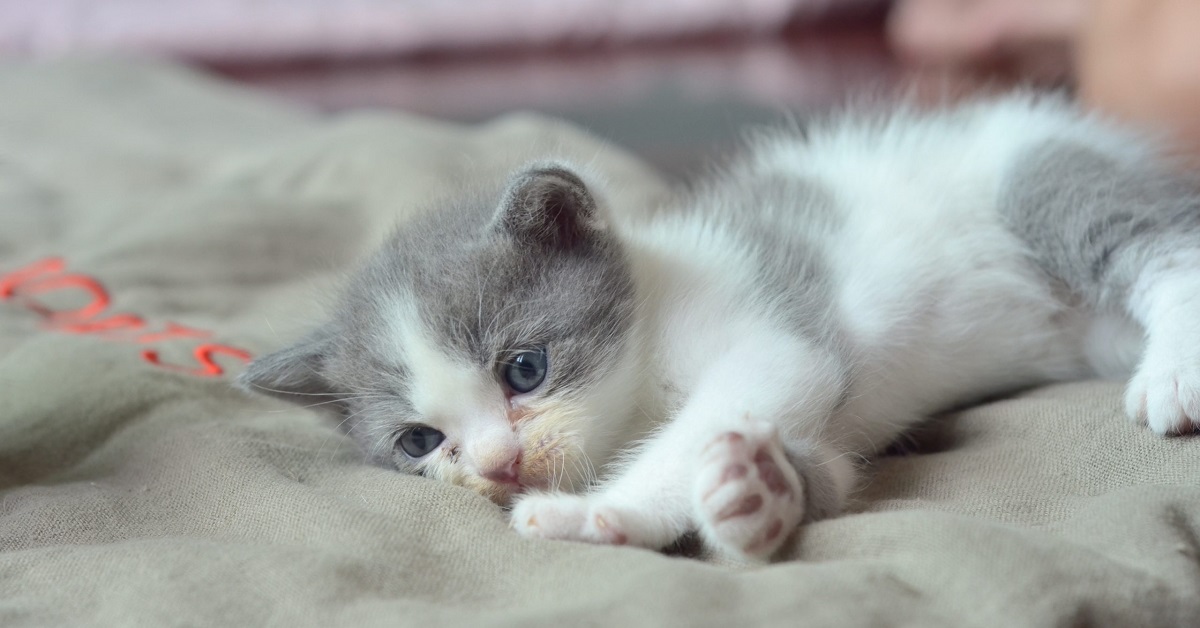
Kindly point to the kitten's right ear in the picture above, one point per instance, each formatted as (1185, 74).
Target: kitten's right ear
(295, 374)
(548, 204)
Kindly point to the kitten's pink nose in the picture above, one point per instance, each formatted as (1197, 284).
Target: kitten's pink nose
(509, 473)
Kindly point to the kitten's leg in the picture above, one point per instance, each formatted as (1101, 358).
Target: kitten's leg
(765, 470)
(755, 487)
(722, 464)
(1122, 235)
(645, 504)
(1165, 390)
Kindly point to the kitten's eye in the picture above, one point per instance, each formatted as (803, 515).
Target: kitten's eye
(526, 370)
(419, 441)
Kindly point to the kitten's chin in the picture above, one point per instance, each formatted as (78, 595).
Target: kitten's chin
(506, 494)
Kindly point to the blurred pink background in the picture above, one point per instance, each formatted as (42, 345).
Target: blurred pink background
(675, 80)
(275, 30)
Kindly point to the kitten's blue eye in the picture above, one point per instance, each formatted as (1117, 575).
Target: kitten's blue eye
(418, 441)
(526, 370)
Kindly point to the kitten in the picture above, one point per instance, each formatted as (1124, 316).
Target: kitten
(725, 362)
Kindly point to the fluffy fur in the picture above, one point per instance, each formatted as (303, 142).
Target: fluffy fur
(727, 361)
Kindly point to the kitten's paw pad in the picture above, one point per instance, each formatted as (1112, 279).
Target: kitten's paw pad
(567, 518)
(1167, 399)
(748, 496)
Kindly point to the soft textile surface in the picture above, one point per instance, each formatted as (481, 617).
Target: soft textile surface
(273, 30)
(142, 489)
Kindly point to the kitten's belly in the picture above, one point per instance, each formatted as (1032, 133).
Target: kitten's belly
(1113, 345)
(899, 386)
(941, 328)
(942, 357)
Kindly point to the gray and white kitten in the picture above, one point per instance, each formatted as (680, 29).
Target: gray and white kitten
(723, 363)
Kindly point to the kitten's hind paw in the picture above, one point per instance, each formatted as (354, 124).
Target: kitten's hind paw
(570, 518)
(748, 496)
(1165, 395)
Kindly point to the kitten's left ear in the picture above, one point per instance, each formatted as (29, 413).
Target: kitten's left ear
(549, 204)
(295, 374)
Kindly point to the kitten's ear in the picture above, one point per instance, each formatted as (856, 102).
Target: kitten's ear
(295, 374)
(548, 204)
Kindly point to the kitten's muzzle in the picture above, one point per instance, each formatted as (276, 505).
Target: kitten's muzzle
(507, 475)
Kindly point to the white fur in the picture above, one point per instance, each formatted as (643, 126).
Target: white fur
(939, 301)
(460, 398)
(1165, 390)
(482, 428)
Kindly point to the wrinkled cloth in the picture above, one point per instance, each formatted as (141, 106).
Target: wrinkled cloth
(157, 228)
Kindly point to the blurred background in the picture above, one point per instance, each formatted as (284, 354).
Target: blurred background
(676, 81)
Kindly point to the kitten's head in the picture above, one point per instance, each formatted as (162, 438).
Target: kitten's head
(488, 345)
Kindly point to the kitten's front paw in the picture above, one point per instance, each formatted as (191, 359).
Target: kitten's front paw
(748, 496)
(569, 518)
(1165, 395)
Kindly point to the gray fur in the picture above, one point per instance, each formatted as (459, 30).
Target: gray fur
(792, 261)
(539, 270)
(1093, 223)
(793, 272)
(295, 373)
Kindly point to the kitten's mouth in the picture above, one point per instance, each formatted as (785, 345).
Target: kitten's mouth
(527, 482)
(542, 467)
(504, 492)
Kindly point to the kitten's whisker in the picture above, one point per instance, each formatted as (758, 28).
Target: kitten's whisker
(322, 403)
(574, 471)
(555, 481)
(593, 475)
(336, 432)
(582, 467)
(289, 392)
(562, 469)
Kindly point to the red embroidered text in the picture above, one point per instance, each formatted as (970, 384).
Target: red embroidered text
(32, 286)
